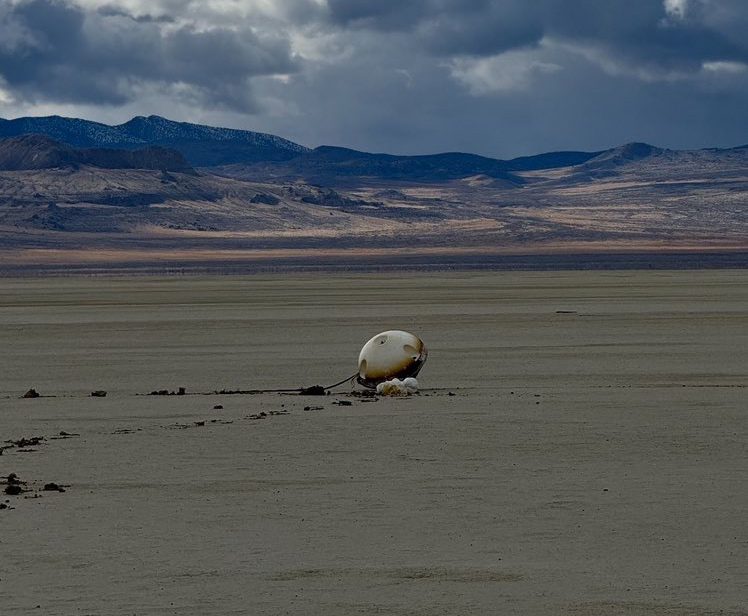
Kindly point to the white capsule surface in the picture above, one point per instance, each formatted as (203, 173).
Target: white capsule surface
(389, 355)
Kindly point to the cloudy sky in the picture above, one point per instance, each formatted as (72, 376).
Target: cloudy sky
(496, 77)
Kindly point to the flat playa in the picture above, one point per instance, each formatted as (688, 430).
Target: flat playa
(592, 460)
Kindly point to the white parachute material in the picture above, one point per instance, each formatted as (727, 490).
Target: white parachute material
(396, 387)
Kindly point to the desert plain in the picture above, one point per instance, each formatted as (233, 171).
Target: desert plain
(578, 447)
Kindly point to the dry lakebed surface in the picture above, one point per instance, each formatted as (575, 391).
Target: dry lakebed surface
(579, 446)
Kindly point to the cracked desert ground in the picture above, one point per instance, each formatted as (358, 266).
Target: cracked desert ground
(593, 459)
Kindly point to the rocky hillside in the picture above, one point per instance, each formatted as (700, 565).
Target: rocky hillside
(641, 162)
(200, 145)
(29, 152)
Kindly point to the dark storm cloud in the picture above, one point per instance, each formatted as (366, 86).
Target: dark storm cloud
(60, 52)
(644, 34)
(638, 31)
(115, 11)
(382, 15)
(447, 26)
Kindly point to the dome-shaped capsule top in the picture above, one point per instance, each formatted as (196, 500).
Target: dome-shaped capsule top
(391, 354)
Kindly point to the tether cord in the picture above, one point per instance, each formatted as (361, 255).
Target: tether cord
(294, 390)
(350, 378)
(300, 390)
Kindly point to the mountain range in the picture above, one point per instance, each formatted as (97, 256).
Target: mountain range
(264, 154)
(259, 156)
(152, 191)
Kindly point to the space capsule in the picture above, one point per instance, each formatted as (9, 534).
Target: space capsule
(389, 355)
